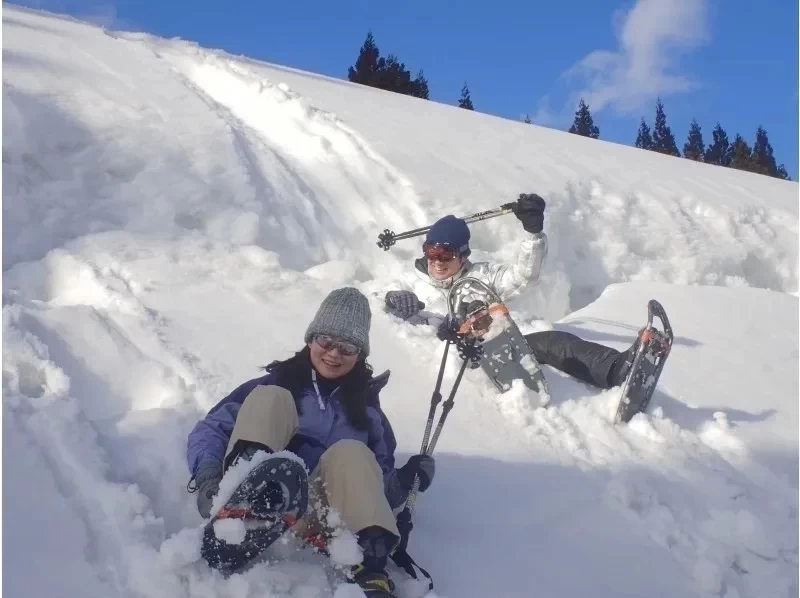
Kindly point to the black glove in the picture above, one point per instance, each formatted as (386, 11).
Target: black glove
(403, 304)
(418, 465)
(448, 329)
(207, 480)
(529, 210)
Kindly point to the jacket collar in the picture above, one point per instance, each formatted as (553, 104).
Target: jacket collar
(374, 386)
(378, 382)
(421, 269)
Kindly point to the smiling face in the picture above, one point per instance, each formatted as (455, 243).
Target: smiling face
(331, 363)
(440, 270)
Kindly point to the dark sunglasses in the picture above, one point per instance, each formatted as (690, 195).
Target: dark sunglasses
(439, 252)
(345, 348)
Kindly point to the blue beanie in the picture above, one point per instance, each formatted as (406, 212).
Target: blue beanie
(451, 230)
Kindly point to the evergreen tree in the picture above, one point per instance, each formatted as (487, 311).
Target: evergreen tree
(419, 86)
(694, 147)
(763, 160)
(718, 152)
(366, 67)
(385, 73)
(643, 138)
(583, 123)
(741, 155)
(663, 139)
(782, 174)
(465, 101)
(527, 119)
(392, 75)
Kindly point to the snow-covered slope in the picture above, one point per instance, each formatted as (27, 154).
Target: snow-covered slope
(172, 217)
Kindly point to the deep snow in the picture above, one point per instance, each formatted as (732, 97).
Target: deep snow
(174, 215)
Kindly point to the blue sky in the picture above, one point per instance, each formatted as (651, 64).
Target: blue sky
(732, 61)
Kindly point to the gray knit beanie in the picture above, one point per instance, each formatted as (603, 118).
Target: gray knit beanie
(344, 313)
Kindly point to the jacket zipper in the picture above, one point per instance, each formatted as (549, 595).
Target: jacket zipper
(316, 388)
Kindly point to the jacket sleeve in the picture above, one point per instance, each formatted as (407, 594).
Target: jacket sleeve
(509, 278)
(209, 438)
(426, 318)
(381, 442)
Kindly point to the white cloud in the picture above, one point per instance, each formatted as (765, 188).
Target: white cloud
(652, 36)
(544, 114)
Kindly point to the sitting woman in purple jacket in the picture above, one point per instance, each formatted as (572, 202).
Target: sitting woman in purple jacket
(321, 404)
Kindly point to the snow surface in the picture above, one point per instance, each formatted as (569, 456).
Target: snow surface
(174, 215)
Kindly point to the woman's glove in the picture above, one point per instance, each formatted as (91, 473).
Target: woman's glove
(418, 465)
(207, 479)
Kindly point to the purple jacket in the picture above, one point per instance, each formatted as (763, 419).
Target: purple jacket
(318, 428)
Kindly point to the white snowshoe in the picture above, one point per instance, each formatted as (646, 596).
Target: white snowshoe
(506, 355)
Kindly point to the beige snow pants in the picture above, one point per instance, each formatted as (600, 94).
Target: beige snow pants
(347, 479)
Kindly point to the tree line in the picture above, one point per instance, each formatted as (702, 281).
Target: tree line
(758, 158)
(391, 74)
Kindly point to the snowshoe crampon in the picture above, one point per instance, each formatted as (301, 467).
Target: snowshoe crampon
(506, 355)
(648, 363)
(270, 500)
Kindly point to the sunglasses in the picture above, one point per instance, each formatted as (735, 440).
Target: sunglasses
(345, 348)
(442, 253)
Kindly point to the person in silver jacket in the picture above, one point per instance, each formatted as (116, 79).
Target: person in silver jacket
(421, 298)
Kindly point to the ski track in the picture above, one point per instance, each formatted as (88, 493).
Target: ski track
(57, 425)
(322, 143)
(689, 490)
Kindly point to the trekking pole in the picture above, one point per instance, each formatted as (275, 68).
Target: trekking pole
(436, 397)
(427, 448)
(468, 352)
(388, 238)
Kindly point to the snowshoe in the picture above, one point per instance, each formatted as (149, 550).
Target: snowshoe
(270, 500)
(506, 355)
(648, 362)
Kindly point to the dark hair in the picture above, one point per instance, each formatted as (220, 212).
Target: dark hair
(295, 372)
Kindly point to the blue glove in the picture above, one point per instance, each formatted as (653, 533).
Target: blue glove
(403, 304)
(418, 465)
(207, 479)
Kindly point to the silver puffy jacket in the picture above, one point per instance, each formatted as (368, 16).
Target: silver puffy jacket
(506, 279)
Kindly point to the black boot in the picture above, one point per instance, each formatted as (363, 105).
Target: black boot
(272, 497)
(244, 449)
(377, 544)
(622, 364)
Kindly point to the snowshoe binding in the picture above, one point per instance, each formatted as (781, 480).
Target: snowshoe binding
(506, 355)
(653, 348)
(270, 500)
(374, 584)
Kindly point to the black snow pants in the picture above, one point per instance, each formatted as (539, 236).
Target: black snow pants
(589, 362)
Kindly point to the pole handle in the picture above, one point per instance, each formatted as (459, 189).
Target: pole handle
(388, 237)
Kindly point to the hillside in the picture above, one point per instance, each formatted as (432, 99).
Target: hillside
(173, 216)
